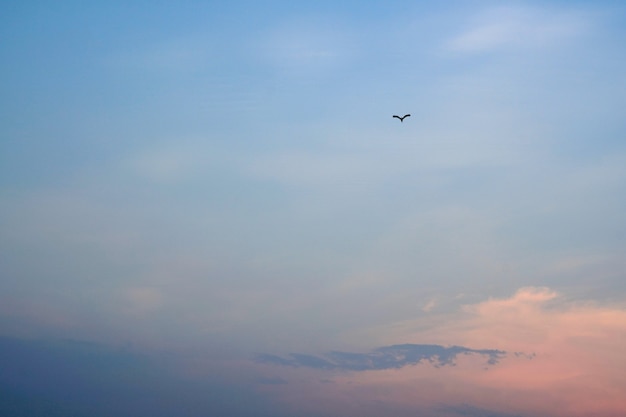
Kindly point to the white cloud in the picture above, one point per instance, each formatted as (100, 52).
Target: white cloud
(306, 47)
(504, 27)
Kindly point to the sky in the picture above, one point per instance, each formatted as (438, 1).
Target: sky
(207, 209)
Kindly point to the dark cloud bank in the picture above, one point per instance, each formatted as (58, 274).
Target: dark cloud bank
(81, 379)
(67, 378)
(387, 357)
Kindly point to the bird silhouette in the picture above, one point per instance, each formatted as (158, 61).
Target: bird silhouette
(401, 118)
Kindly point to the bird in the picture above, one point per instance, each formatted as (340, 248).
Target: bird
(401, 118)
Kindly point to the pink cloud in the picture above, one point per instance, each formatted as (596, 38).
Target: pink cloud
(573, 364)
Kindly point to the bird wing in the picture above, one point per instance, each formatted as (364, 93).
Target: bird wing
(397, 117)
(406, 115)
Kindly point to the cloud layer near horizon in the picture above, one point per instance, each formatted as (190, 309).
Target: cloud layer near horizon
(210, 181)
(565, 359)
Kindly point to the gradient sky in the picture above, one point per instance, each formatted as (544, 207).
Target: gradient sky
(206, 208)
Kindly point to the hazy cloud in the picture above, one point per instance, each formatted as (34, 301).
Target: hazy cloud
(503, 27)
(142, 300)
(305, 47)
(219, 179)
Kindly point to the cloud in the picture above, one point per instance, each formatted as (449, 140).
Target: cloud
(386, 357)
(555, 357)
(168, 165)
(140, 301)
(469, 411)
(505, 27)
(306, 47)
(78, 378)
(429, 305)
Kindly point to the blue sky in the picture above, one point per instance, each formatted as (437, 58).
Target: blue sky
(219, 182)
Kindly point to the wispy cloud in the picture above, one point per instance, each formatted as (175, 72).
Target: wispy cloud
(305, 46)
(505, 27)
(386, 357)
(429, 305)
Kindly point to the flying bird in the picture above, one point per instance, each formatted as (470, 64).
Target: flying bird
(401, 118)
